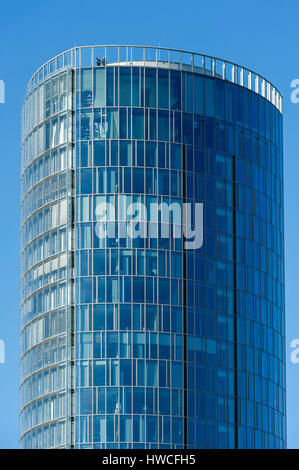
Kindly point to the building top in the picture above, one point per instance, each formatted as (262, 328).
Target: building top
(161, 57)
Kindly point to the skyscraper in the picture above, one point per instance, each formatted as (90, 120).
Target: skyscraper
(131, 335)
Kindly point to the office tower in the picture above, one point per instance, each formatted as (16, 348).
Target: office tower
(132, 336)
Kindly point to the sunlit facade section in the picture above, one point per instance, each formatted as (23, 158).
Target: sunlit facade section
(46, 224)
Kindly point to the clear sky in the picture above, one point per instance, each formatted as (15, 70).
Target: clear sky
(260, 34)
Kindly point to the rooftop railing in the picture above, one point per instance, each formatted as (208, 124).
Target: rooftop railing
(86, 56)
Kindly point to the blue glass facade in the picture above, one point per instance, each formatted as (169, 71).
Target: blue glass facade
(162, 346)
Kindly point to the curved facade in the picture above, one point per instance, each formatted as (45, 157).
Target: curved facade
(140, 341)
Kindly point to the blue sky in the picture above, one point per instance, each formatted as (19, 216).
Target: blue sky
(260, 34)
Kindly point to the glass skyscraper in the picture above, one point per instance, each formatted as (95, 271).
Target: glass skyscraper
(142, 341)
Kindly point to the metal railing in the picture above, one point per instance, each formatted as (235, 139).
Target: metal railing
(86, 56)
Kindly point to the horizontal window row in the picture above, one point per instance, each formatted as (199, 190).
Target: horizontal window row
(251, 274)
(129, 262)
(125, 372)
(139, 317)
(46, 192)
(129, 317)
(262, 223)
(151, 182)
(253, 387)
(164, 346)
(263, 233)
(176, 127)
(201, 405)
(249, 304)
(138, 123)
(45, 219)
(129, 400)
(201, 382)
(250, 438)
(220, 380)
(265, 339)
(32, 146)
(256, 173)
(54, 132)
(51, 435)
(262, 284)
(168, 291)
(55, 323)
(42, 383)
(263, 313)
(128, 429)
(137, 180)
(260, 416)
(45, 166)
(45, 409)
(252, 330)
(52, 271)
(47, 245)
(44, 300)
(191, 92)
(127, 289)
(49, 98)
(162, 263)
(130, 153)
(44, 355)
(158, 429)
(129, 345)
(252, 326)
(163, 182)
(266, 363)
(151, 401)
(201, 434)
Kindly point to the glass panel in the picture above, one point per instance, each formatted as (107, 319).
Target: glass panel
(175, 90)
(86, 88)
(210, 97)
(150, 88)
(125, 86)
(198, 94)
(138, 124)
(163, 125)
(136, 86)
(163, 88)
(100, 87)
(112, 124)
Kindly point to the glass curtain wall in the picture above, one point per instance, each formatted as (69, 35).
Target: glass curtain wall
(140, 342)
(179, 348)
